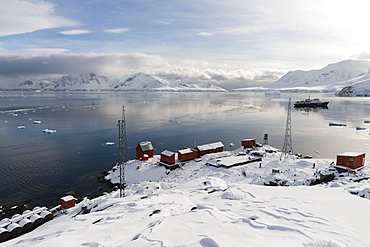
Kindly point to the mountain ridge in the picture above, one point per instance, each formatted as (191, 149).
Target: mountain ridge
(344, 78)
(136, 82)
(332, 77)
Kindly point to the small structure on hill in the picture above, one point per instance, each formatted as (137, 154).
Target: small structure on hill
(4, 235)
(210, 148)
(37, 220)
(67, 202)
(14, 229)
(187, 154)
(46, 215)
(232, 161)
(249, 143)
(144, 147)
(26, 225)
(168, 157)
(350, 160)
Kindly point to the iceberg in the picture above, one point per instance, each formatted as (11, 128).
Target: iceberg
(47, 131)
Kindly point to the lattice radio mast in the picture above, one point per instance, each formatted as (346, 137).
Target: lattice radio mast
(288, 148)
(122, 151)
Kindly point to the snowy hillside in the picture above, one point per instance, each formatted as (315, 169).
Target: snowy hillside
(202, 205)
(136, 82)
(89, 81)
(358, 87)
(333, 77)
(141, 81)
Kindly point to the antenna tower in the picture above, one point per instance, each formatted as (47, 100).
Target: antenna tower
(287, 148)
(266, 139)
(122, 151)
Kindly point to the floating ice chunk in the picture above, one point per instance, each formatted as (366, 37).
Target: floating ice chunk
(36, 122)
(47, 131)
(15, 115)
(21, 127)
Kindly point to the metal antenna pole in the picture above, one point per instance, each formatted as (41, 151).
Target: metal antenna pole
(266, 139)
(122, 151)
(288, 147)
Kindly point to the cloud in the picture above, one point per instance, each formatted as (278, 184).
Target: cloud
(24, 16)
(61, 64)
(17, 68)
(165, 21)
(228, 79)
(45, 50)
(76, 32)
(117, 30)
(361, 56)
(205, 34)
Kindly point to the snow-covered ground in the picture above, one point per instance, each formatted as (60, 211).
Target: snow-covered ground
(202, 205)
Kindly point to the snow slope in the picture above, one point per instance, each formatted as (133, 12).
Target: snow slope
(333, 77)
(359, 86)
(202, 205)
(89, 81)
(136, 82)
(141, 81)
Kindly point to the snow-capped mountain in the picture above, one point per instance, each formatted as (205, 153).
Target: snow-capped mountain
(333, 77)
(86, 81)
(89, 81)
(141, 81)
(136, 82)
(360, 86)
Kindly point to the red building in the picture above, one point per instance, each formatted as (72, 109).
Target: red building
(67, 202)
(168, 157)
(210, 148)
(248, 143)
(351, 160)
(187, 154)
(144, 147)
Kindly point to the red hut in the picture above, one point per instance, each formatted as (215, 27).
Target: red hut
(168, 157)
(351, 160)
(248, 143)
(210, 148)
(144, 147)
(187, 154)
(67, 202)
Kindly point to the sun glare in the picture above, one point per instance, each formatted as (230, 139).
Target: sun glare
(349, 16)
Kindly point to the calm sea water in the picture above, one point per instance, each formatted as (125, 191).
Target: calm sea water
(43, 167)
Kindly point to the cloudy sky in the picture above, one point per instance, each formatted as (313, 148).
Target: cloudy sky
(234, 43)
